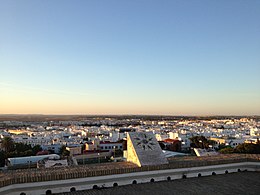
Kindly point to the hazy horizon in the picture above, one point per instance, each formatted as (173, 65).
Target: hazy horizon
(171, 115)
(179, 58)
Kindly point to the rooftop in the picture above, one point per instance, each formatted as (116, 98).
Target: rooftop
(50, 174)
(233, 183)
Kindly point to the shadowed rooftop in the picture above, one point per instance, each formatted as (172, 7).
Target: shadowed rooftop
(234, 183)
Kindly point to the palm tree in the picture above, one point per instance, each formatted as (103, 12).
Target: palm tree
(7, 144)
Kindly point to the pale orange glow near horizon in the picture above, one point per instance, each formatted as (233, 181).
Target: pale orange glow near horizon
(34, 103)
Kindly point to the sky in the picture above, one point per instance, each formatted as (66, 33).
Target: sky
(163, 57)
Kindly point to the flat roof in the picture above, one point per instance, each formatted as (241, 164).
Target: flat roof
(233, 183)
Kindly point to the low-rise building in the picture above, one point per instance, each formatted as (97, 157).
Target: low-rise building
(106, 145)
(74, 150)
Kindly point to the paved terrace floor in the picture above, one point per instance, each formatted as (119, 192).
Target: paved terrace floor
(233, 183)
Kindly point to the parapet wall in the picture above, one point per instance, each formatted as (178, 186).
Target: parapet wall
(41, 175)
(61, 186)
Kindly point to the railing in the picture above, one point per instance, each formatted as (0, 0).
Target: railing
(39, 175)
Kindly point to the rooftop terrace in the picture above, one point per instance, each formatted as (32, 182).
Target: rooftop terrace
(37, 175)
(233, 183)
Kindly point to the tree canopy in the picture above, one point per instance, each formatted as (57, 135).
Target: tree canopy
(7, 144)
(200, 142)
(245, 148)
(11, 149)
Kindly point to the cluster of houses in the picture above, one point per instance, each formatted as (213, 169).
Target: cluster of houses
(101, 142)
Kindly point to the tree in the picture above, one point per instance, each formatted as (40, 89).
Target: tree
(248, 148)
(2, 158)
(63, 147)
(28, 153)
(82, 148)
(222, 146)
(21, 147)
(11, 149)
(227, 150)
(36, 149)
(245, 148)
(63, 151)
(200, 142)
(7, 144)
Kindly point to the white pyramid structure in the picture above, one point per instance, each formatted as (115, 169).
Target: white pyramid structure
(143, 149)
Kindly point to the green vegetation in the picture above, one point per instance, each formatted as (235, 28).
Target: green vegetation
(9, 149)
(7, 144)
(200, 142)
(245, 148)
(63, 151)
(2, 158)
(227, 150)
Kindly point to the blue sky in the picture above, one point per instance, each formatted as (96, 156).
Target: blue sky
(130, 57)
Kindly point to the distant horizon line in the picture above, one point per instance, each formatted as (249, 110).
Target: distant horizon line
(229, 115)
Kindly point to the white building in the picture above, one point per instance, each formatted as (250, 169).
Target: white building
(111, 146)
